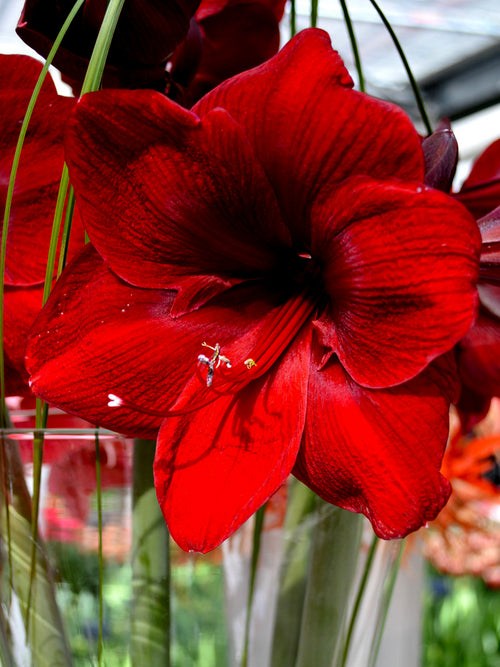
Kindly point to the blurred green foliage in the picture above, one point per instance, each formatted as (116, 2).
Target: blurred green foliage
(461, 622)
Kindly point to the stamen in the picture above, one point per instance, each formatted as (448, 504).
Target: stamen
(276, 335)
(214, 362)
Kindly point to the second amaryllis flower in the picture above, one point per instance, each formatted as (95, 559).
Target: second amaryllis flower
(271, 289)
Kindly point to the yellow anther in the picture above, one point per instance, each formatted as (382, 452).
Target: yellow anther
(250, 363)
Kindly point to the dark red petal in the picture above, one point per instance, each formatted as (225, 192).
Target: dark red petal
(184, 198)
(378, 452)
(211, 7)
(400, 264)
(21, 306)
(236, 37)
(486, 167)
(310, 129)
(146, 34)
(21, 73)
(216, 467)
(472, 408)
(16, 383)
(479, 356)
(481, 191)
(441, 157)
(98, 335)
(39, 173)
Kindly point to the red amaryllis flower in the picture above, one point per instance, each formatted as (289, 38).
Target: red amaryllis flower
(226, 37)
(34, 200)
(147, 33)
(269, 284)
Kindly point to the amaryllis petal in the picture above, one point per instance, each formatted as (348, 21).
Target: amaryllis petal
(378, 451)
(481, 190)
(394, 258)
(184, 198)
(19, 72)
(478, 356)
(214, 468)
(21, 306)
(236, 36)
(146, 34)
(346, 133)
(98, 336)
(486, 167)
(472, 407)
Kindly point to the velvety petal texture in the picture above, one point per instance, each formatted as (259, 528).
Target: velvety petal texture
(216, 467)
(234, 36)
(146, 34)
(271, 287)
(222, 228)
(393, 256)
(358, 441)
(322, 130)
(98, 335)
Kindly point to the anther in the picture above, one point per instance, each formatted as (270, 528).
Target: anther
(213, 362)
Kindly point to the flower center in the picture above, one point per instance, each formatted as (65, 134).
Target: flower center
(239, 365)
(227, 369)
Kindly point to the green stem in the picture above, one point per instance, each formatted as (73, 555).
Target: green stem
(354, 44)
(150, 637)
(42, 412)
(314, 13)
(257, 534)
(293, 18)
(359, 597)
(409, 73)
(293, 573)
(335, 548)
